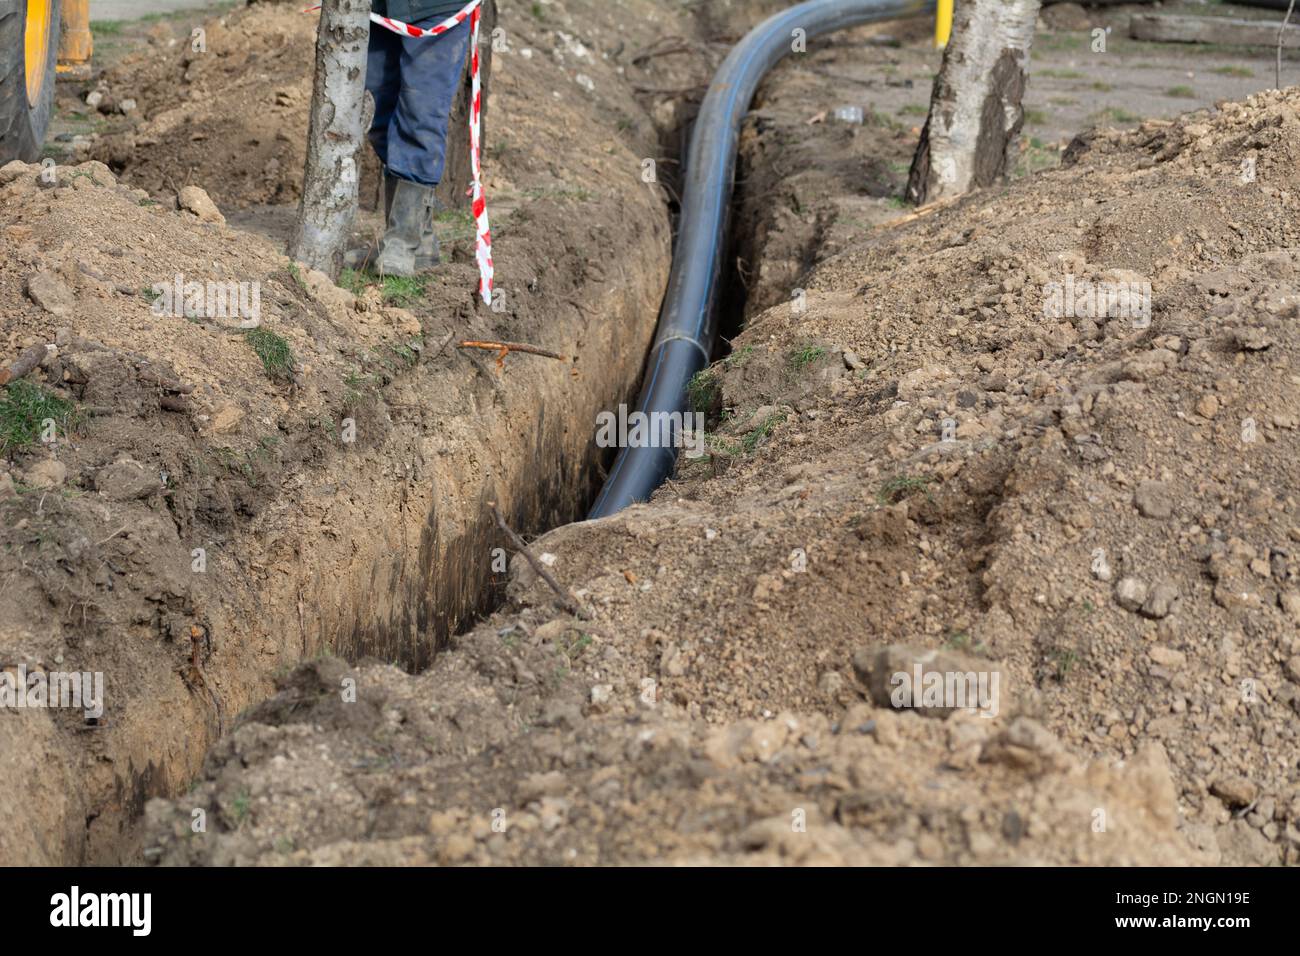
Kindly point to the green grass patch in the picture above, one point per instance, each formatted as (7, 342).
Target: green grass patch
(704, 391)
(902, 486)
(1182, 91)
(1063, 662)
(755, 436)
(401, 291)
(1062, 74)
(1035, 117)
(738, 358)
(296, 273)
(1241, 71)
(274, 352)
(25, 408)
(799, 359)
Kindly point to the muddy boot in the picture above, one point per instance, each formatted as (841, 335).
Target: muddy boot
(363, 258)
(409, 245)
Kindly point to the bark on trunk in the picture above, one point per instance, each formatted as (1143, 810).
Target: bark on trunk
(969, 139)
(329, 190)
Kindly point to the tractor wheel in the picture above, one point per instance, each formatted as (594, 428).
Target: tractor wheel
(29, 47)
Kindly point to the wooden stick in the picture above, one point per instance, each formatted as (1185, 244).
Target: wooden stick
(28, 360)
(150, 377)
(505, 347)
(569, 602)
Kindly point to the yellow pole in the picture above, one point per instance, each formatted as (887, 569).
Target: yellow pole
(74, 39)
(942, 23)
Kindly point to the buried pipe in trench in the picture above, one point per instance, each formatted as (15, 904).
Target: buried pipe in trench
(688, 318)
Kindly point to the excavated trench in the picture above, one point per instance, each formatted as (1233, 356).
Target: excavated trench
(411, 558)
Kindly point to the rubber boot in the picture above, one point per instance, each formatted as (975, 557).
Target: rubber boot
(409, 245)
(363, 258)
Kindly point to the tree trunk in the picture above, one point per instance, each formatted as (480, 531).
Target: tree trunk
(329, 189)
(969, 139)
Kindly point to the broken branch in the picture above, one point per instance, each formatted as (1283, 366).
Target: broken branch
(28, 360)
(503, 348)
(567, 600)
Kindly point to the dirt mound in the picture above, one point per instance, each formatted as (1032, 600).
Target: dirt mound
(225, 108)
(944, 446)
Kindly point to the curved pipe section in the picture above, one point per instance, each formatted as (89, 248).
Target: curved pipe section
(688, 318)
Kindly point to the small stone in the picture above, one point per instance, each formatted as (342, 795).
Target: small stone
(1293, 669)
(46, 473)
(227, 418)
(1252, 338)
(126, 479)
(403, 320)
(1161, 600)
(1207, 406)
(1153, 499)
(601, 694)
(831, 682)
(1131, 593)
(51, 293)
(12, 170)
(852, 362)
(94, 98)
(200, 203)
(1235, 791)
(1167, 657)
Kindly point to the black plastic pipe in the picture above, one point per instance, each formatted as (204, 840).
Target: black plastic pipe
(688, 318)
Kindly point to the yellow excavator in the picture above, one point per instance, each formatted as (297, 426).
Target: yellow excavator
(37, 39)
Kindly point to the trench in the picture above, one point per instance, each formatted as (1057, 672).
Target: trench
(447, 584)
(703, 307)
(688, 324)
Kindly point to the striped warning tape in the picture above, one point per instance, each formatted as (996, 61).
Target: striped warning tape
(478, 199)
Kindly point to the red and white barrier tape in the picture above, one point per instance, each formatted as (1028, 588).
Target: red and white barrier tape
(478, 199)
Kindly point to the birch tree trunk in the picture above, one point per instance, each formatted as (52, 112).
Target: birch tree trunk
(329, 189)
(969, 139)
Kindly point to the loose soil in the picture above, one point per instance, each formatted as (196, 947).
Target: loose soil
(907, 458)
(206, 516)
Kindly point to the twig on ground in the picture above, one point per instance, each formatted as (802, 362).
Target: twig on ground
(26, 361)
(567, 599)
(504, 347)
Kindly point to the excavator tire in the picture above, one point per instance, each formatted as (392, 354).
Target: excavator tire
(29, 47)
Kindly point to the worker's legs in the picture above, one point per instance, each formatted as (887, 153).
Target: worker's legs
(413, 81)
(383, 82)
(429, 72)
